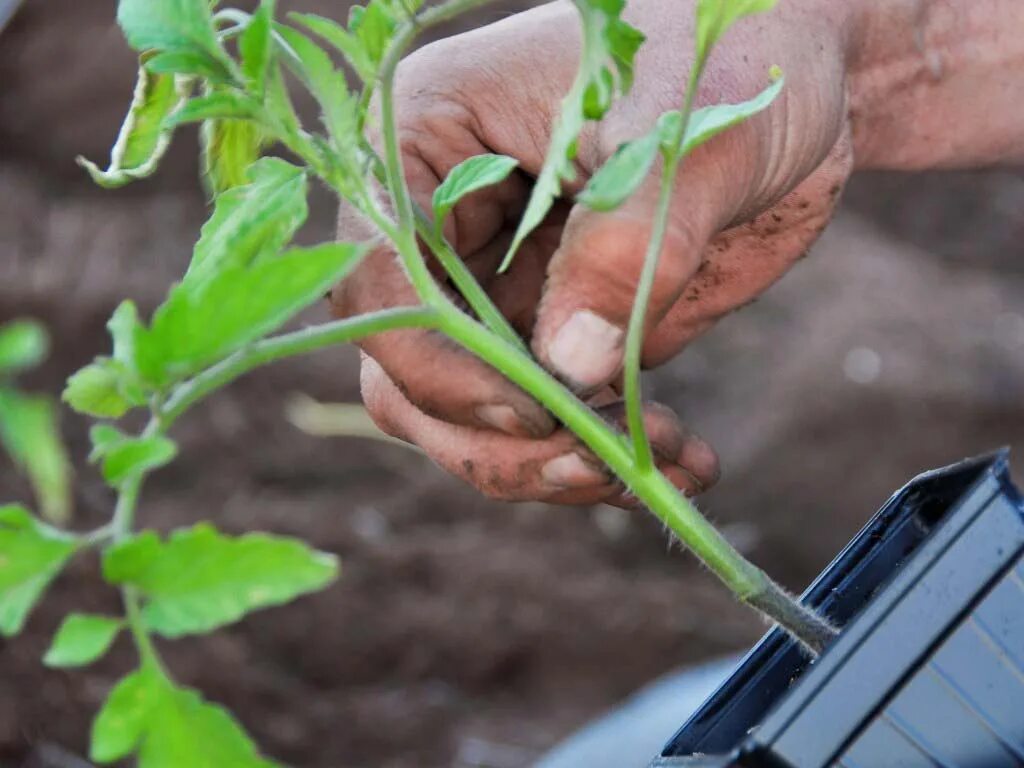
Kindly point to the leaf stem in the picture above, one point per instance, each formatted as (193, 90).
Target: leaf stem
(288, 345)
(632, 387)
(465, 282)
(406, 244)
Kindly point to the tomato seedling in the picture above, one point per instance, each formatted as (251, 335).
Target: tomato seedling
(224, 69)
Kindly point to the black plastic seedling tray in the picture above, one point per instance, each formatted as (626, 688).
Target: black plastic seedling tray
(929, 667)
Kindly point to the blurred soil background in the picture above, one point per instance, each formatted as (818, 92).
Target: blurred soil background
(467, 633)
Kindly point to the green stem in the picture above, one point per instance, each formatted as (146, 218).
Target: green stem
(465, 282)
(632, 388)
(749, 583)
(289, 345)
(120, 526)
(406, 244)
(140, 635)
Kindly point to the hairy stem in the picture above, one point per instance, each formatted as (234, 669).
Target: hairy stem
(465, 282)
(748, 582)
(289, 345)
(745, 580)
(408, 250)
(632, 388)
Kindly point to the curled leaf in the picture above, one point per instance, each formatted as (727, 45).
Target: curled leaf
(143, 138)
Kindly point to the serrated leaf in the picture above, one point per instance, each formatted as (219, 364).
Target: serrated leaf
(23, 344)
(31, 555)
(606, 68)
(171, 25)
(230, 147)
(348, 44)
(201, 324)
(199, 579)
(255, 46)
(714, 17)
(143, 139)
(133, 456)
(374, 27)
(218, 105)
(81, 639)
(708, 122)
(621, 174)
(29, 432)
(340, 109)
(469, 176)
(96, 390)
(251, 221)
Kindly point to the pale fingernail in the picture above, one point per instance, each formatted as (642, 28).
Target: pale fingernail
(571, 471)
(505, 418)
(587, 350)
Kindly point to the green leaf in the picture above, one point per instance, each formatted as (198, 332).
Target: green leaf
(124, 328)
(29, 431)
(169, 727)
(279, 109)
(199, 579)
(104, 438)
(23, 344)
(708, 122)
(621, 174)
(469, 176)
(143, 139)
(714, 17)
(606, 68)
(171, 25)
(374, 26)
(96, 390)
(230, 147)
(123, 721)
(199, 325)
(625, 170)
(251, 221)
(340, 108)
(214, 106)
(81, 639)
(133, 456)
(349, 45)
(256, 47)
(190, 63)
(31, 555)
(184, 730)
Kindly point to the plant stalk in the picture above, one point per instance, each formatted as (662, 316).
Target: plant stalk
(289, 345)
(748, 582)
(632, 385)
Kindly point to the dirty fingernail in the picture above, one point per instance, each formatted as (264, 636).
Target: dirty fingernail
(587, 350)
(505, 418)
(571, 471)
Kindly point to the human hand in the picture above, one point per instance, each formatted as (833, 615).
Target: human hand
(751, 202)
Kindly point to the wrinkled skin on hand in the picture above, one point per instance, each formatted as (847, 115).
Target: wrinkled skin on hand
(750, 203)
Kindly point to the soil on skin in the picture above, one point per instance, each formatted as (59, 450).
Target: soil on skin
(464, 632)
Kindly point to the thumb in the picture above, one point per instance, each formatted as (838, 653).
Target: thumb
(593, 276)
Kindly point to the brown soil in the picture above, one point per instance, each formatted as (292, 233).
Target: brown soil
(464, 632)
